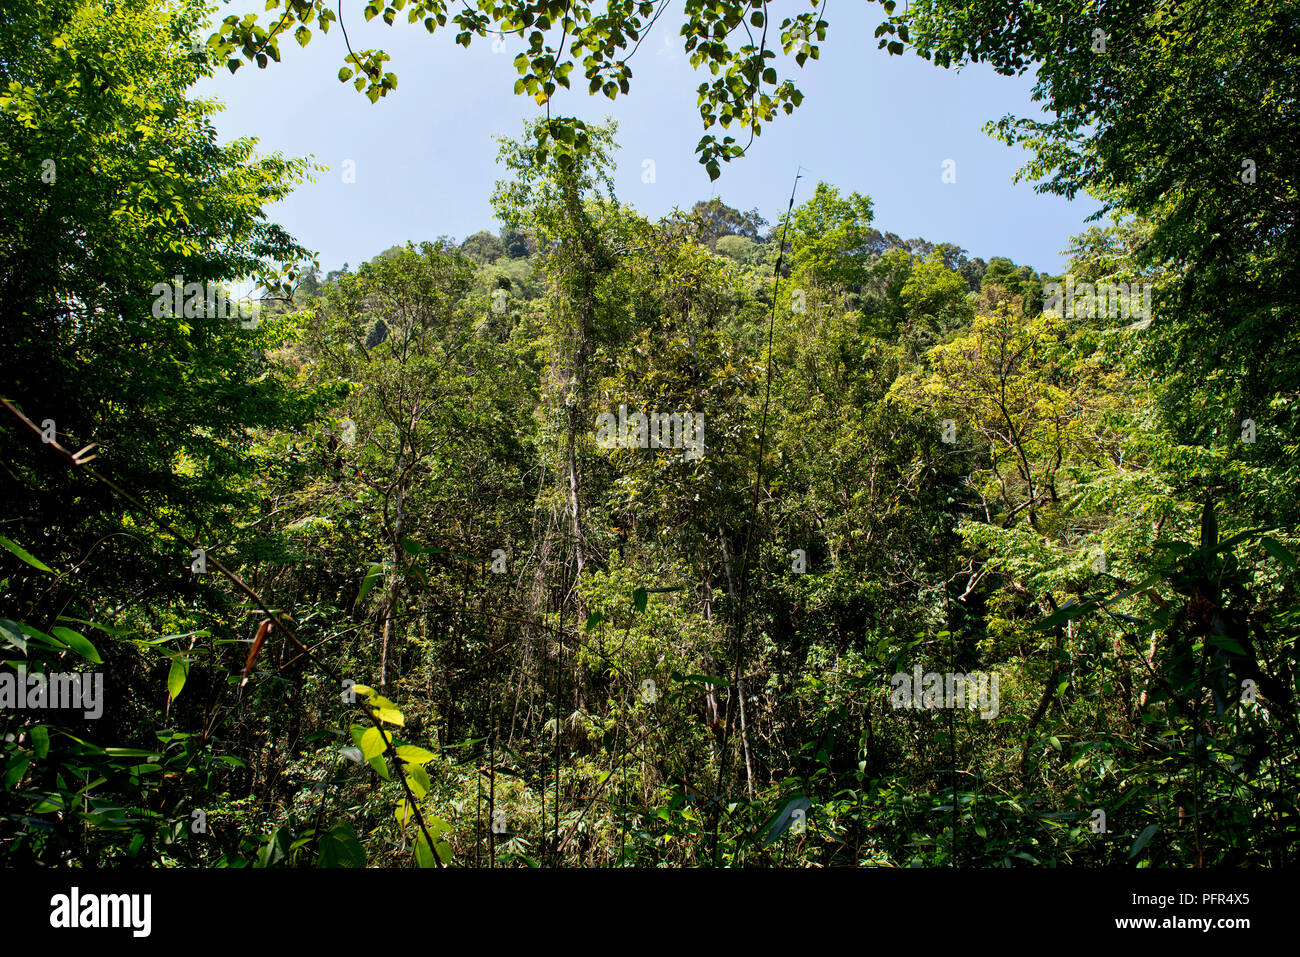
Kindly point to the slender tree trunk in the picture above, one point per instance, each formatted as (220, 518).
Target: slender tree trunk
(392, 580)
(744, 739)
(575, 504)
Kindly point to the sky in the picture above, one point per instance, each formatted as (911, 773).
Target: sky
(424, 157)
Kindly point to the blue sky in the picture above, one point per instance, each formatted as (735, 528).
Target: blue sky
(425, 158)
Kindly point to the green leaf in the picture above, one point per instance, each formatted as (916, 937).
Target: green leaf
(180, 670)
(54, 802)
(417, 779)
(593, 620)
(339, 847)
(783, 818)
(11, 633)
(414, 755)
(15, 770)
(1143, 839)
(1278, 551)
(77, 642)
(1067, 612)
(40, 741)
(275, 849)
(371, 743)
(1209, 529)
(639, 599)
(423, 853)
(368, 582)
(122, 632)
(1231, 644)
(386, 711)
(25, 555)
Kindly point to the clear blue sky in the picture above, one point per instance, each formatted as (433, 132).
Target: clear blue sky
(425, 157)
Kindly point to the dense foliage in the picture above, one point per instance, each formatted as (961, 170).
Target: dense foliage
(372, 580)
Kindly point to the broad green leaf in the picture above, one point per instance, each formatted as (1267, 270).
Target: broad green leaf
(121, 632)
(423, 854)
(418, 780)
(25, 555)
(77, 642)
(368, 582)
(339, 847)
(275, 849)
(10, 632)
(1143, 839)
(54, 802)
(372, 743)
(437, 826)
(1231, 644)
(784, 817)
(1067, 612)
(414, 755)
(386, 711)
(180, 670)
(1278, 551)
(15, 770)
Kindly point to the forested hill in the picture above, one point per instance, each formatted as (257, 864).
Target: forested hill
(510, 260)
(606, 541)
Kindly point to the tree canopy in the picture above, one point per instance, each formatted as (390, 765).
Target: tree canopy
(604, 541)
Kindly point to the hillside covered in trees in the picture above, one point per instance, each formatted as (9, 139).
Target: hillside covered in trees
(602, 541)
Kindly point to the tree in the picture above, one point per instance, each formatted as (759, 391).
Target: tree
(519, 243)
(718, 219)
(1184, 118)
(936, 300)
(126, 231)
(113, 190)
(483, 247)
(829, 237)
